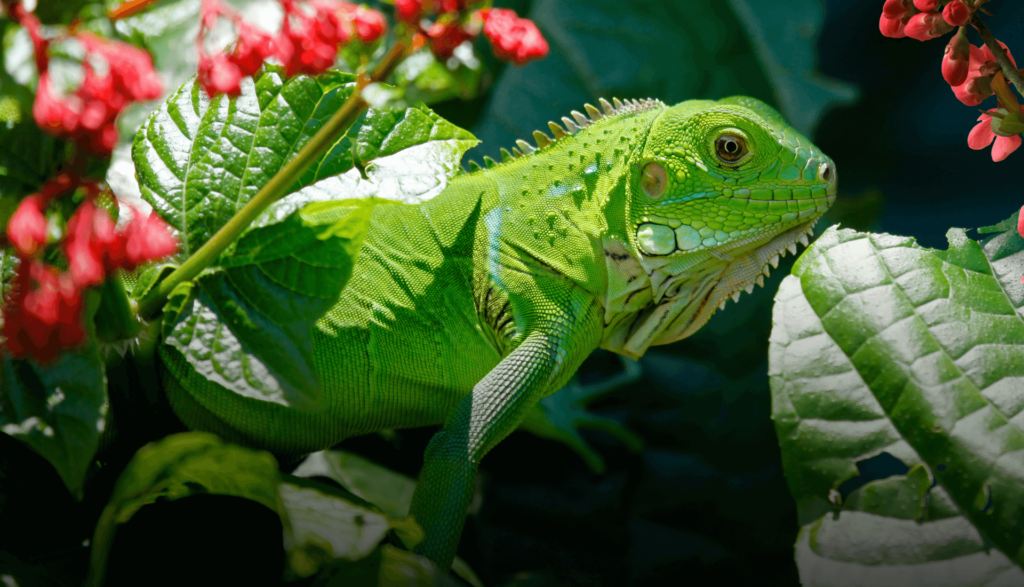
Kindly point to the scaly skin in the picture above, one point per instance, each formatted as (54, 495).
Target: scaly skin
(470, 308)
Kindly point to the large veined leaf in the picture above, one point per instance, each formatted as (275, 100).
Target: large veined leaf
(674, 51)
(887, 352)
(248, 328)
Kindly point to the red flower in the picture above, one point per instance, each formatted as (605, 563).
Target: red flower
(956, 59)
(147, 239)
(369, 24)
(27, 227)
(88, 114)
(927, 25)
(219, 75)
(982, 136)
(309, 43)
(1020, 226)
(252, 48)
(956, 13)
(514, 39)
(926, 5)
(43, 314)
(444, 38)
(981, 67)
(409, 11)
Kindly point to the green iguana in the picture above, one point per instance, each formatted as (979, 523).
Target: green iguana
(628, 230)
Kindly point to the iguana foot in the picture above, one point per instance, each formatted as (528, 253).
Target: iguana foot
(562, 414)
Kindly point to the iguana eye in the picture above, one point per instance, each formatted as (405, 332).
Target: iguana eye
(730, 148)
(653, 179)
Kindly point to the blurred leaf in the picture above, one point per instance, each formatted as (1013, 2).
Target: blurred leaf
(427, 80)
(58, 409)
(386, 566)
(783, 36)
(672, 51)
(59, 11)
(178, 466)
(322, 526)
(881, 345)
(390, 491)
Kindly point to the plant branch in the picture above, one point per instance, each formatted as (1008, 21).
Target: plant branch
(129, 8)
(273, 190)
(993, 45)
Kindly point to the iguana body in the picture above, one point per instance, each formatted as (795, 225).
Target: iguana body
(469, 308)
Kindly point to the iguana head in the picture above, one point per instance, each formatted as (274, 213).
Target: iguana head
(718, 191)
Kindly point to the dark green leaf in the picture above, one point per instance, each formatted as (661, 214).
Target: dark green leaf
(672, 51)
(178, 466)
(59, 11)
(880, 346)
(58, 409)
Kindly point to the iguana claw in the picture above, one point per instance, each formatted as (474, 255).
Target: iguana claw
(562, 414)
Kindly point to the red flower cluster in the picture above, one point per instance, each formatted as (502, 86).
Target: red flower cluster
(968, 70)
(43, 314)
(513, 39)
(977, 82)
(114, 74)
(308, 42)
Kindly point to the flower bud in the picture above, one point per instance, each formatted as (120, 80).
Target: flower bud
(891, 27)
(974, 91)
(926, 26)
(926, 5)
(956, 60)
(956, 13)
(896, 8)
(27, 227)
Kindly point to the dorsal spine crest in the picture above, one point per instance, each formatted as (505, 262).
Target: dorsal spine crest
(571, 126)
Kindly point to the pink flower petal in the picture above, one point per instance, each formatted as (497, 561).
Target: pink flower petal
(981, 135)
(1004, 146)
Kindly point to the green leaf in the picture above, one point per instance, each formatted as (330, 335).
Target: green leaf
(881, 345)
(250, 328)
(59, 12)
(58, 409)
(178, 466)
(199, 160)
(322, 525)
(390, 491)
(674, 51)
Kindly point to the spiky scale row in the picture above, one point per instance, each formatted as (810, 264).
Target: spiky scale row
(572, 125)
(774, 263)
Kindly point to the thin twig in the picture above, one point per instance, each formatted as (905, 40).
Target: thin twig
(273, 190)
(129, 8)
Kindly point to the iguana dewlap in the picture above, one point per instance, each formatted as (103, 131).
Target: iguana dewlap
(628, 230)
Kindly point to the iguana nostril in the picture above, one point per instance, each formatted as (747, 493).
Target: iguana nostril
(826, 172)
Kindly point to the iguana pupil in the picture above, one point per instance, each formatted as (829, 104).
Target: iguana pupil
(730, 148)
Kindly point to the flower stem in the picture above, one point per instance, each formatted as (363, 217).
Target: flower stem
(129, 8)
(1002, 58)
(273, 190)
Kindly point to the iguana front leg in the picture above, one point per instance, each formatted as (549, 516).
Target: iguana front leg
(547, 357)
